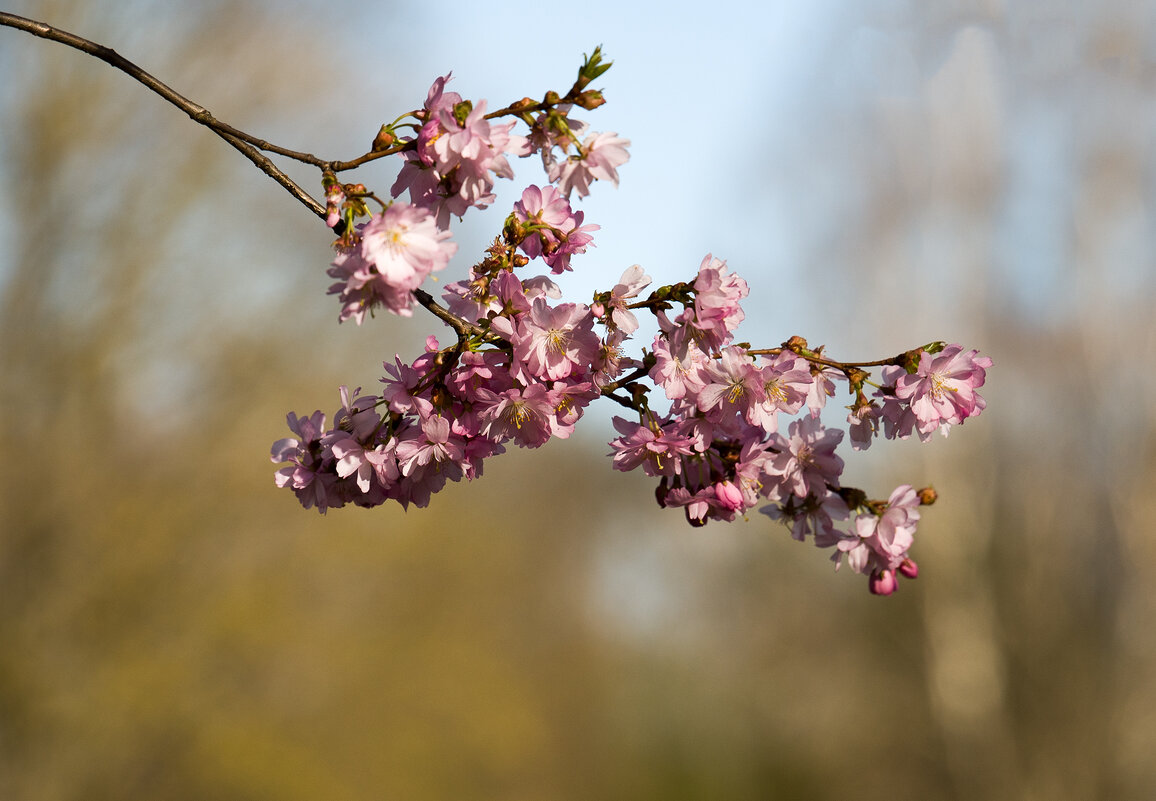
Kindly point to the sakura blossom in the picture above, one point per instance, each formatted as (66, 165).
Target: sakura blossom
(632, 282)
(520, 414)
(601, 156)
(942, 390)
(554, 232)
(732, 383)
(458, 154)
(716, 312)
(553, 342)
(807, 464)
(398, 249)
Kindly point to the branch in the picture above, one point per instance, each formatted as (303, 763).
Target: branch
(464, 329)
(249, 146)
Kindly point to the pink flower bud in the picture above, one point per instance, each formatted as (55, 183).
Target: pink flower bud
(882, 583)
(908, 568)
(728, 495)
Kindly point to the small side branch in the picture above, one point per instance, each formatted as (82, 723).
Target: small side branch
(248, 145)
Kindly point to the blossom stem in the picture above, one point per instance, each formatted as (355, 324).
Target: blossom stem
(828, 362)
(250, 146)
(464, 329)
(607, 392)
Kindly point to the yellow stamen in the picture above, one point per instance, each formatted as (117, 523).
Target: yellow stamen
(938, 387)
(775, 391)
(556, 340)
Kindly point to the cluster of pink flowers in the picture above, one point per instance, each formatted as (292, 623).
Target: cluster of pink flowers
(440, 416)
(459, 151)
(742, 427)
(551, 229)
(718, 451)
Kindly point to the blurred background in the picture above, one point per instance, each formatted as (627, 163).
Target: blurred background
(883, 174)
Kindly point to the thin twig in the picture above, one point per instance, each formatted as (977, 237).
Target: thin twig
(463, 328)
(893, 360)
(248, 145)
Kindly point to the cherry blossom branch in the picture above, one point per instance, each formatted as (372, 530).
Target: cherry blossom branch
(464, 329)
(252, 146)
(523, 369)
(798, 346)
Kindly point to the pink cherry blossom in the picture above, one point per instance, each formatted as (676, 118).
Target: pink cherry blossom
(811, 516)
(822, 387)
(658, 449)
(728, 496)
(602, 154)
(555, 231)
(429, 444)
(786, 381)
(807, 464)
(895, 528)
(523, 415)
(571, 399)
(404, 245)
(398, 249)
(553, 342)
(732, 383)
(454, 163)
(883, 583)
(679, 372)
(633, 281)
(522, 366)
(878, 545)
(716, 311)
(942, 390)
(863, 424)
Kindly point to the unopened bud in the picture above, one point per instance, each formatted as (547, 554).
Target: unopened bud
(910, 360)
(908, 568)
(882, 583)
(462, 110)
(856, 377)
(384, 140)
(928, 496)
(590, 99)
(728, 495)
(552, 99)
